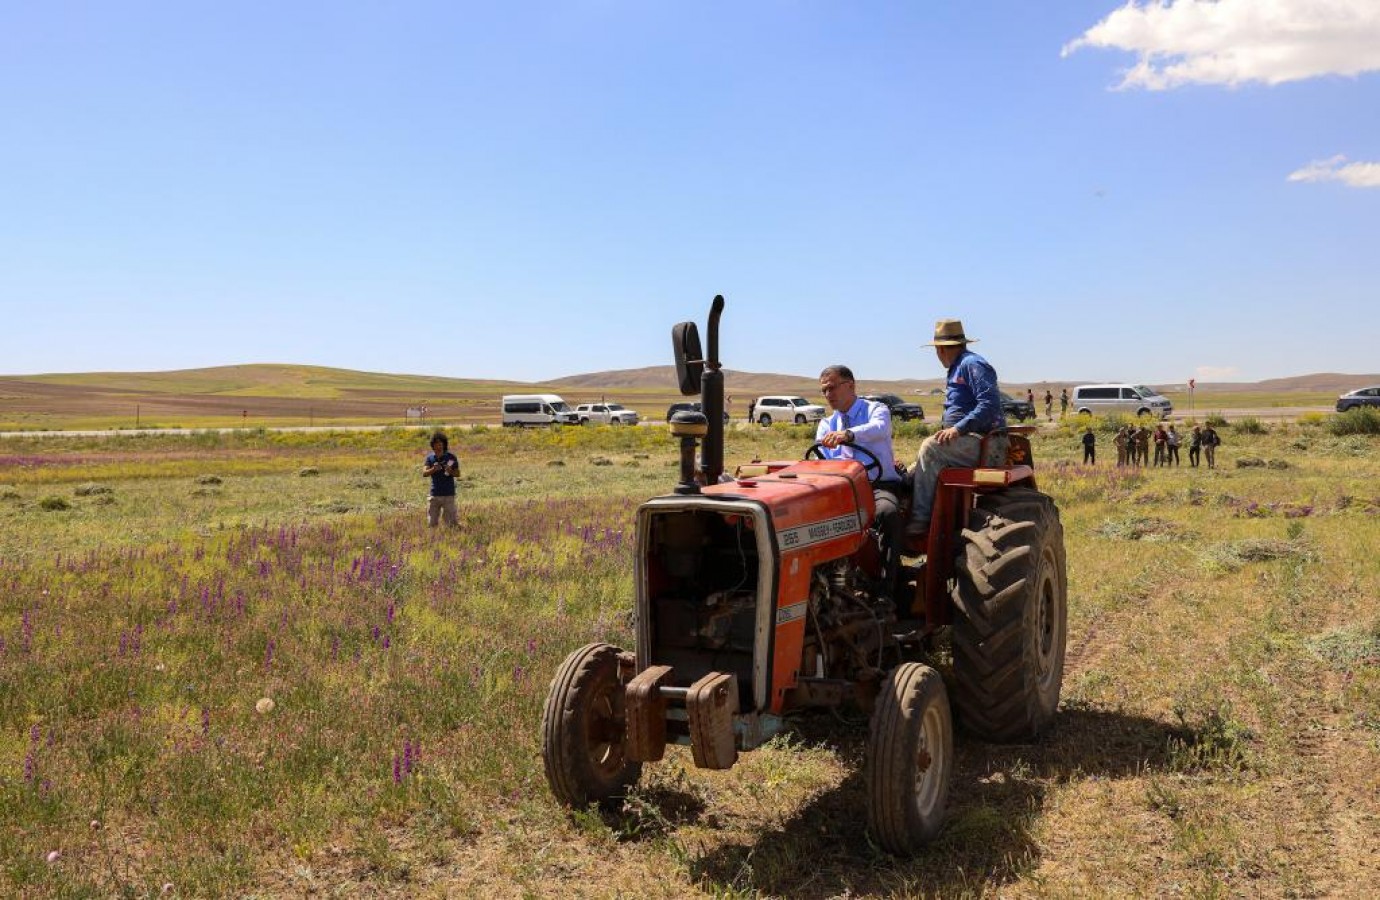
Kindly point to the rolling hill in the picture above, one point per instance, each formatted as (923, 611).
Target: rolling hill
(276, 394)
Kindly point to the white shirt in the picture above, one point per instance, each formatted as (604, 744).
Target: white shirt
(870, 423)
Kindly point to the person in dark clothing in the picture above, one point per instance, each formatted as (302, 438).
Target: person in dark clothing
(1195, 446)
(1161, 438)
(441, 467)
(1142, 435)
(1089, 447)
(1210, 444)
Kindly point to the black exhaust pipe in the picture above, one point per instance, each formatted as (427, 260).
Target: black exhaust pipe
(712, 399)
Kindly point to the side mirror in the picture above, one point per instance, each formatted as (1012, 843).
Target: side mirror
(685, 341)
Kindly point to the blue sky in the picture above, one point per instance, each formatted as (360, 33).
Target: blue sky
(531, 190)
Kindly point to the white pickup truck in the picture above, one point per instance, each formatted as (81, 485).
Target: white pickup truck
(605, 414)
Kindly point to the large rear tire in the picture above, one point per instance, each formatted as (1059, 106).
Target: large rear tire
(1010, 635)
(582, 730)
(910, 752)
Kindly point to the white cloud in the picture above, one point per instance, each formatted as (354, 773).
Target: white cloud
(1357, 174)
(1232, 42)
(1217, 373)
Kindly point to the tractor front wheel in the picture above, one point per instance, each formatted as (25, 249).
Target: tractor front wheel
(582, 730)
(1009, 637)
(910, 753)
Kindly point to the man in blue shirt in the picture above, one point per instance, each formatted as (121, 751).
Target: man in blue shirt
(442, 467)
(972, 409)
(856, 422)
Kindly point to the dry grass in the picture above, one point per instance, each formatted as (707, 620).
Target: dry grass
(1219, 736)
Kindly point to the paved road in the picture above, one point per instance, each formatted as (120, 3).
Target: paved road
(1265, 414)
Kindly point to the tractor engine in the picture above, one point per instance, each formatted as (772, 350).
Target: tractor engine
(847, 630)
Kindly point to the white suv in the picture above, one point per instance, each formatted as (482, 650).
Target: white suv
(766, 410)
(605, 414)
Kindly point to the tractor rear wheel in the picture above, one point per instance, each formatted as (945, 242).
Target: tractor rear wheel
(1009, 637)
(582, 730)
(910, 752)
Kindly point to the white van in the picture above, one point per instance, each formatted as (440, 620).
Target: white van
(1136, 399)
(536, 409)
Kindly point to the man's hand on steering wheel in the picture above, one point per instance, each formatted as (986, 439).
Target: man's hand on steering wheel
(871, 464)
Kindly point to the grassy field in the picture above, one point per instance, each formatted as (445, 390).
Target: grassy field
(240, 665)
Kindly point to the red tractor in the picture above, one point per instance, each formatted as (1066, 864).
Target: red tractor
(761, 596)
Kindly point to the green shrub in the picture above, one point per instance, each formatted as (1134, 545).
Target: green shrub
(1346, 648)
(1361, 420)
(911, 429)
(1249, 425)
(52, 502)
(208, 479)
(1216, 420)
(91, 490)
(309, 472)
(1313, 419)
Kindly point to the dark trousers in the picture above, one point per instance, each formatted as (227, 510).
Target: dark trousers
(1089, 456)
(1193, 453)
(891, 527)
(1173, 456)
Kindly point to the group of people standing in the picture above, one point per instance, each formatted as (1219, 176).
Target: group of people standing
(1049, 402)
(1133, 446)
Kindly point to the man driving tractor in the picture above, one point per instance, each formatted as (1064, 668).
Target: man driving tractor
(856, 422)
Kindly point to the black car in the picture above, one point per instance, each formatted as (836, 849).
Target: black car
(1356, 399)
(682, 407)
(900, 409)
(1020, 410)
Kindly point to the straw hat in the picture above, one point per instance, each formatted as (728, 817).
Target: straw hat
(949, 333)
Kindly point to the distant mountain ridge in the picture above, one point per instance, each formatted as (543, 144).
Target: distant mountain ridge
(286, 380)
(757, 382)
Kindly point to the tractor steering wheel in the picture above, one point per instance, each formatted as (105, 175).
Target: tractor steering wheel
(871, 465)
